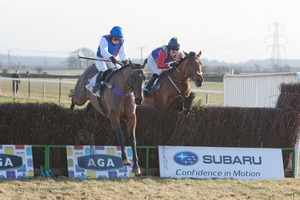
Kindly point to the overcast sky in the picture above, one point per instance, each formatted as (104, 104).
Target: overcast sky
(225, 30)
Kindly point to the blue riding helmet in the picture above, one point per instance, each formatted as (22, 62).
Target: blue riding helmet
(116, 31)
(174, 42)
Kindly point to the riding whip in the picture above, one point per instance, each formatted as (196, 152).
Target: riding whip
(97, 59)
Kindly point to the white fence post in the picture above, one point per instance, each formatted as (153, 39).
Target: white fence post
(44, 91)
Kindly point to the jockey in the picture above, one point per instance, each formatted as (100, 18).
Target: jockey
(109, 48)
(160, 59)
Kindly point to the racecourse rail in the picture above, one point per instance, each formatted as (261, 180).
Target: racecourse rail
(54, 90)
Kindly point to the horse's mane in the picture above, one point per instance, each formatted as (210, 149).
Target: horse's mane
(111, 72)
(123, 67)
(191, 54)
(137, 66)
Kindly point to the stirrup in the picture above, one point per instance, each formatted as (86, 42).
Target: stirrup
(96, 87)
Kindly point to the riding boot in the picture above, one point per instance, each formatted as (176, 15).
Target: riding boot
(98, 82)
(149, 84)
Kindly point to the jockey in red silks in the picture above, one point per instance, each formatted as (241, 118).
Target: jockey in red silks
(109, 48)
(160, 59)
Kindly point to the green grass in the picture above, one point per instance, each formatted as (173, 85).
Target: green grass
(45, 91)
(209, 98)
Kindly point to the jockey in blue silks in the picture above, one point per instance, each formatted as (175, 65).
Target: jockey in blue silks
(109, 48)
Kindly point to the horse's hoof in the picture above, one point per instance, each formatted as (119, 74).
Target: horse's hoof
(136, 170)
(126, 162)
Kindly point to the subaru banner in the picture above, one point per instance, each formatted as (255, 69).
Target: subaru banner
(220, 162)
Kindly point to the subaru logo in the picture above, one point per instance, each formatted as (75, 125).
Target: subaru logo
(185, 158)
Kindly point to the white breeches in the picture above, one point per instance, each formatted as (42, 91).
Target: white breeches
(152, 64)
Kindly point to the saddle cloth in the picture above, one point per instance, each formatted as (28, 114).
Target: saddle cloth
(91, 84)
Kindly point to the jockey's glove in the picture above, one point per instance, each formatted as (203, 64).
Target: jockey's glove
(113, 59)
(172, 64)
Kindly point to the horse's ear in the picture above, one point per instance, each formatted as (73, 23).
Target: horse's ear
(131, 64)
(145, 63)
(199, 54)
(185, 53)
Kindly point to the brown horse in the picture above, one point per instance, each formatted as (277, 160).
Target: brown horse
(172, 90)
(117, 101)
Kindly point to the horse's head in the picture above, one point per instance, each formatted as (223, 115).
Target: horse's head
(193, 67)
(137, 81)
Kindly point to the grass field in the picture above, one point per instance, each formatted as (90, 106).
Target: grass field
(149, 188)
(212, 98)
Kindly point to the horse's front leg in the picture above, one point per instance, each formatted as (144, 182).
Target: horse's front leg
(189, 102)
(115, 122)
(131, 125)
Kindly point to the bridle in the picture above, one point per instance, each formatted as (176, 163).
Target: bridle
(129, 82)
(137, 69)
(188, 64)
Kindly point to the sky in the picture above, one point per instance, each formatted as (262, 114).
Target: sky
(224, 30)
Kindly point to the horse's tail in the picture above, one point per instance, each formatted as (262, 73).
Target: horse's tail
(71, 94)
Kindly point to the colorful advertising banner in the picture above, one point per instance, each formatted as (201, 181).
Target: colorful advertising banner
(97, 162)
(16, 161)
(220, 162)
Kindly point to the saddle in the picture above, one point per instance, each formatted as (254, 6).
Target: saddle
(160, 81)
(105, 78)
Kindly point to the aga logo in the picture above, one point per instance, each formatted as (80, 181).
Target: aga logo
(99, 162)
(8, 161)
(185, 158)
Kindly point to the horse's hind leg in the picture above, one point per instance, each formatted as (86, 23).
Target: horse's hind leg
(72, 104)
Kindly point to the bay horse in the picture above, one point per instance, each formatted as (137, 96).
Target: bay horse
(172, 89)
(118, 100)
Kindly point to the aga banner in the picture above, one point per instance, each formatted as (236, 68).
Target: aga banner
(16, 161)
(97, 162)
(220, 162)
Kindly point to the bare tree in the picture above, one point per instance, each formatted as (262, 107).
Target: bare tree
(76, 63)
(39, 69)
